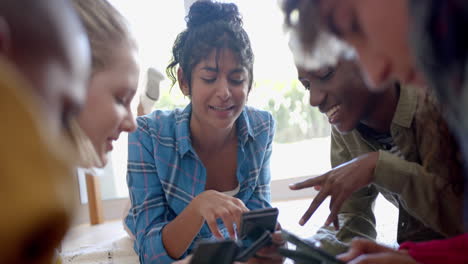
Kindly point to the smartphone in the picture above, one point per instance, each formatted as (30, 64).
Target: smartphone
(254, 223)
(306, 252)
(215, 252)
(256, 229)
(248, 248)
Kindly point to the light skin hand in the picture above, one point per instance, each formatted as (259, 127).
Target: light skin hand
(212, 205)
(363, 251)
(339, 183)
(266, 255)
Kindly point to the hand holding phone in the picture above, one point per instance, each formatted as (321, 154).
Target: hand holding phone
(306, 252)
(255, 233)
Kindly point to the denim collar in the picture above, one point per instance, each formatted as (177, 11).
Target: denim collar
(182, 129)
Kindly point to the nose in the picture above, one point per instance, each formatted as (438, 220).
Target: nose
(316, 97)
(129, 123)
(223, 91)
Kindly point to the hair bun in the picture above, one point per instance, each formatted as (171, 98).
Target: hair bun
(203, 12)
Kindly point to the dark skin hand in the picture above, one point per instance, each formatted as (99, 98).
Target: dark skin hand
(269, 254)
(339, 183)
(363, 251)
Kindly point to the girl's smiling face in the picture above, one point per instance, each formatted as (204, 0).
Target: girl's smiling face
(219, 89)
(107, 111)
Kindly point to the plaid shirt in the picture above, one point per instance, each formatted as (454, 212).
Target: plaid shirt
(165, 174)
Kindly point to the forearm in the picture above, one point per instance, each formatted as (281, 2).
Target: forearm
(180, 232)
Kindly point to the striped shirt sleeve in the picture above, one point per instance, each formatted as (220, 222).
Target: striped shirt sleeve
(149, 212)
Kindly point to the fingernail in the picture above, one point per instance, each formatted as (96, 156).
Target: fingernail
(301, 222)
(292, 185)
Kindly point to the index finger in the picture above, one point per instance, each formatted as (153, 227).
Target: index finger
(313, 206)
(213, 226)
(309, 182)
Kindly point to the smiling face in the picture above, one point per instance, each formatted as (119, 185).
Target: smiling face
(378, 30)
(107, 109)
(219, 90)
(339, 92)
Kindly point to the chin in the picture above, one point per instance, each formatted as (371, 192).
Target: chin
(224, 124)
(103, 163)
(103, 159)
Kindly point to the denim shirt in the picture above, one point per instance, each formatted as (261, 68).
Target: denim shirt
(165, 174)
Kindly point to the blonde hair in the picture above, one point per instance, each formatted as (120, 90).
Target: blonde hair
(105, 27)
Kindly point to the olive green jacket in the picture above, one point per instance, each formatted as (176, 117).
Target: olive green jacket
(427, 209)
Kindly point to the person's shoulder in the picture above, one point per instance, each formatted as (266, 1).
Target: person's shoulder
(260, 124)
(162, 121)
(257, 116)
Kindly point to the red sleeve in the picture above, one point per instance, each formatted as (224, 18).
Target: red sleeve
(453, 250)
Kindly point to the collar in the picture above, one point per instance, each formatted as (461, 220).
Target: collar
(244, 129)
(182, 129)
(406, 108)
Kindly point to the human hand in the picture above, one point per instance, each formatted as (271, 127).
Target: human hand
(339, 183)
(269, 254)
(363, 251)
(212, 205)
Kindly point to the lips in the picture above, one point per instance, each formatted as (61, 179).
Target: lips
(221, 108)
(332, 113)
(109, 145)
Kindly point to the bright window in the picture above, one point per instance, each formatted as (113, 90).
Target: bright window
(301, 146)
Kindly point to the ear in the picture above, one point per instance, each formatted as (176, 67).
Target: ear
(5, 37)
(183, 84)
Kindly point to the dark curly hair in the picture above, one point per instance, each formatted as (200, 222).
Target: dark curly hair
(210, 25)
(304, 18)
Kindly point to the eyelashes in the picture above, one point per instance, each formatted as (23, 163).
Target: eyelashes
(327, 76)
(317, 77)
(233, 81)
